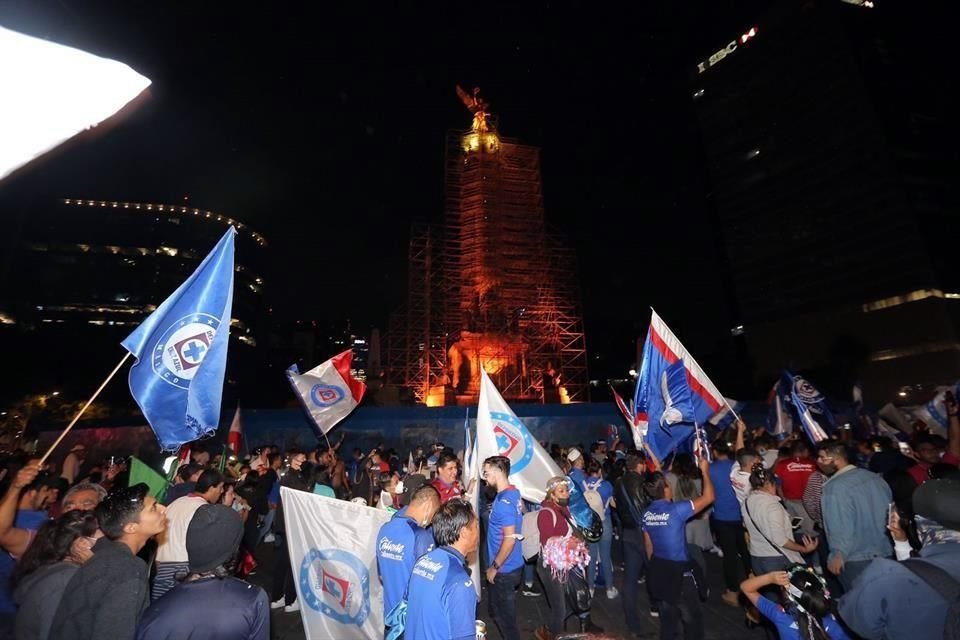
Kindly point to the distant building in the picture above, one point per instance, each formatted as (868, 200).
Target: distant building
(827, 159)
(84, 273)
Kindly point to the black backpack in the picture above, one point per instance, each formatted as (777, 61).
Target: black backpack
(945, 585)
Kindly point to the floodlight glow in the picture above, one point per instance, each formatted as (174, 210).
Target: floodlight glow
(52, 92)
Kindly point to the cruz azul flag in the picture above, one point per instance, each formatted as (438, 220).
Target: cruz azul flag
(328, 392)
(728, 413)
(181, 352)
(673, 393)
(500, 433)
(631, 419)
(810, 405)
(471, 473)
(332, 545)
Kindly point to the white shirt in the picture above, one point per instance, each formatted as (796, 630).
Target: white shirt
(741, 483)
(173, 541)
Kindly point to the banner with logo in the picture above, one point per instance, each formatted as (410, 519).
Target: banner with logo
(471, 473)
(181, 352)
(328, 392)
(500, 433)
(332, 546)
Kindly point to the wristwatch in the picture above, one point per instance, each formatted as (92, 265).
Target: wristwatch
(495, 565)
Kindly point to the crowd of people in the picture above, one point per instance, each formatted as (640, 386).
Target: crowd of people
(844, 538)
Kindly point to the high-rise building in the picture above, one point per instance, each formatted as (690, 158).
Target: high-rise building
(828, 164)
(491, 287)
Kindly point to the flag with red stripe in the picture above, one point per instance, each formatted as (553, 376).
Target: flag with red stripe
(673, 392)
(328, 392)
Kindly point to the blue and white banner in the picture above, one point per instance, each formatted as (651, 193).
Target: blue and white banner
(501, 433)
(780, 422)
(471, 474)
(727, 414)
(810, 405)
(181, 352)
(332, 545)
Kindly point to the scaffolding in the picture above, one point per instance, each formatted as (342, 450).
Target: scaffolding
(490, 287)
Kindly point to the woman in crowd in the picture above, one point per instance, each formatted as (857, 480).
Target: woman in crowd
(686, 483)
(809, 611)
(772, 546)
(42, 574)
(596, 482)
(552, 521)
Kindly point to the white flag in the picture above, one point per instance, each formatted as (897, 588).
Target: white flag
(328, 392)
(500, 433)
(471, 472)
(332, 547)
(52, 92)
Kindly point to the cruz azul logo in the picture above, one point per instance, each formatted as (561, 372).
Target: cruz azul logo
(182, 348)
(337, 584)
(807, 393)
(513, 440)
(326, 395)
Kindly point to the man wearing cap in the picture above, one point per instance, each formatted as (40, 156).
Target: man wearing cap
(70, 470)
(892, 600)
(575, 458)
(210, 603)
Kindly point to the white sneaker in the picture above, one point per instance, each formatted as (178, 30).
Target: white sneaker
(269, 538)
(612, 593)
(278, 604)
(292, 608)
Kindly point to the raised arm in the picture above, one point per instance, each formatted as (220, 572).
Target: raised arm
(751, 586)
(705, 499)
(15, 540)
(741, 430)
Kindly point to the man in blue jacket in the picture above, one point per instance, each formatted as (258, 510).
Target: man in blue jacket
(402, 541)
(442, 604)
(854, 505)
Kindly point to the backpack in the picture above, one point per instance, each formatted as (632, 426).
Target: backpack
(530, 545)
(945, 585)
(592, 496)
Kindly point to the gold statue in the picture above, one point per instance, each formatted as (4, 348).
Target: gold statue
(477, 106)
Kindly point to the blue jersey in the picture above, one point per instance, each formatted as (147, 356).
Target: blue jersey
(400, 542)
(506, 512)
(578, 477)
(726, 507)
(786, 624)
(665, 522)
(442, 604)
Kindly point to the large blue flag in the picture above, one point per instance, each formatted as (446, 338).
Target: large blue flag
(181, 352)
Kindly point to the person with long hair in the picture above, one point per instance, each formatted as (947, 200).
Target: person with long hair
(809, 613)
(61, 546)
(772, 545)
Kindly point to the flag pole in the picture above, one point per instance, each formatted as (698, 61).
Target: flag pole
(85, 407)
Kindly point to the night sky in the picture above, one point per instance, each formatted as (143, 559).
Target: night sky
(323, 128)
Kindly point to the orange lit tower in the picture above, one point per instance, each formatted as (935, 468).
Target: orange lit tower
(490, 286)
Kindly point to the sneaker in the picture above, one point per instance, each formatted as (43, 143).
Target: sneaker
(730, 598)
(292, 608)
(278, 603)
(531, 590)
(269, 538)
(654, 612)
(612, 593)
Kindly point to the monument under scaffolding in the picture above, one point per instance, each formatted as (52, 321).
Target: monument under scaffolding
(490, 287)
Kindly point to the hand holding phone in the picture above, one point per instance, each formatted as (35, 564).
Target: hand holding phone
(893, 523)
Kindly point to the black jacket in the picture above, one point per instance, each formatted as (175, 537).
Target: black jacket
(630, 500)
(105, 598)
(292, 479)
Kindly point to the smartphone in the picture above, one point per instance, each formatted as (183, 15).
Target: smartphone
(891, 510)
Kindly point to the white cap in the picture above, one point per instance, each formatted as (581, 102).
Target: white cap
(572, 455)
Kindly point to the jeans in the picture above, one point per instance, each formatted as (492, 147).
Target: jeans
(685, 618)
(267, 524)
(851, 571)
(555, 598)
(283, 585)
(606, 554)
(763, 565)
(634, 562)
(736, 556)
(529, 567)
(503, 603)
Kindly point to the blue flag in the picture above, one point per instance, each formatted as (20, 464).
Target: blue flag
(810, 405)
(181, 352)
